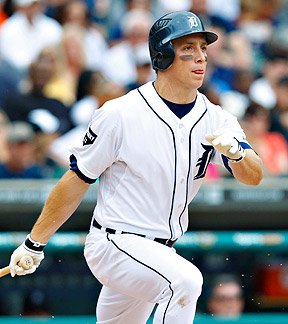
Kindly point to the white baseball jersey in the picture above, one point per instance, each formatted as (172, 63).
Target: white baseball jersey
(151, 163)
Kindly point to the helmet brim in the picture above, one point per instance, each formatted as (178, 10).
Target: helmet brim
(210, 36)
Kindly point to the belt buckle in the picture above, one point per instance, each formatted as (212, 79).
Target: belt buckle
(169, 243)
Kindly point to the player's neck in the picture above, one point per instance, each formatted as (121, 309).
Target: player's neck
(174, 92)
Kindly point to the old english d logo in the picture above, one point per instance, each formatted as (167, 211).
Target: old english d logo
(89, 137)
(203, 161)
(193, 22)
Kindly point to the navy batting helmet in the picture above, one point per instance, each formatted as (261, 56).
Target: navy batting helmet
(171, 26)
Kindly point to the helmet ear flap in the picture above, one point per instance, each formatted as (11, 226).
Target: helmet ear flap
(164, 57)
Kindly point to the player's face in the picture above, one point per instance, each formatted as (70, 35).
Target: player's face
(190, 61)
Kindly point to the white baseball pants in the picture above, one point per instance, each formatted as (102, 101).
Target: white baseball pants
(138, 273)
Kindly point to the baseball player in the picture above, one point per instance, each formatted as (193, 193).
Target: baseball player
(150, 150)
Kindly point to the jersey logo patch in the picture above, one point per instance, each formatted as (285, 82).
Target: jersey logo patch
(203, 161)
(89, 137)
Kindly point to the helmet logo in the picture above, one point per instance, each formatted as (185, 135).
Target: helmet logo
(193, 22)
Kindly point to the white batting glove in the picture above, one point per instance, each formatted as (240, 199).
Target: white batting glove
(28, 247)
(226, 143)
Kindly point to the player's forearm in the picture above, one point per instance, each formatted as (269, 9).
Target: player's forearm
(60, 205)
(250, 170)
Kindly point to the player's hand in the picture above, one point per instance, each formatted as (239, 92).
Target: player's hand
(21, 251)
(226, 143)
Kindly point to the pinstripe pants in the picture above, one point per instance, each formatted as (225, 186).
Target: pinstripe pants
(137, 273)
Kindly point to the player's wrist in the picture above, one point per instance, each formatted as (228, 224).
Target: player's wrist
(33, 246)
(236, 160)
(240, 154)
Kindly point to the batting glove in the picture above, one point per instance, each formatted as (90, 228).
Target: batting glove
(28, 247)
(226, 143)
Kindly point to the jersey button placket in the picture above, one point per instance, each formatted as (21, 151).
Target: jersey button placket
(182, 170)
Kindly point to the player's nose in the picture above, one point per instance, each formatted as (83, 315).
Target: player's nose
(200, 56)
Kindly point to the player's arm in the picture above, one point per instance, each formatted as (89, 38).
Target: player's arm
(244, 163)
(60, 205)
(250, 170)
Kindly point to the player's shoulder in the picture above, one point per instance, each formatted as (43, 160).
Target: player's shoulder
(214, 109)
(123, 102)
(209, 105)
(118, 107)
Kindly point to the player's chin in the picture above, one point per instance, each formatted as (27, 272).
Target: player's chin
(197, 83)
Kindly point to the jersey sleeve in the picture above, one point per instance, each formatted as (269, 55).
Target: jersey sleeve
(98, 148)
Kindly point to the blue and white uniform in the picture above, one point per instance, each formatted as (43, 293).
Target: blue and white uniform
(150, 166)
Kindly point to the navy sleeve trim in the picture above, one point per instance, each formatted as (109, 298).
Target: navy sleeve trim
(225, 161)
(74, 167)
(245, 145)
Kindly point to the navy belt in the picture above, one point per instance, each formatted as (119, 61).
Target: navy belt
(168, 242)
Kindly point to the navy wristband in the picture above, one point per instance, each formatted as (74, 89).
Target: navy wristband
(33, 246)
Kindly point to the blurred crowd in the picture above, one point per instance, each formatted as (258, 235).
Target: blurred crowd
(62, 59)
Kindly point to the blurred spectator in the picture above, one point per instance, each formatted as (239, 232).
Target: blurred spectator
(213, 173)
(143, 67)
(208, 90)
(108, 13)
(52, 7)
(237, 100)
(140, 4)
(256, 19)
(10, 80)
(8, 7)
(86, 99)
(256, 23)
(3, 14)
(229, 55)
(228, 10)
(226, 297)
(274, 69)
(35, 304)
(172, 5)
(119, 64)
(201, 9)
(258, 13)
(21, 153)
(76, 12)
(4, 122)
(92, 92)
(47, 114)
(271, 146)
(26, 33)
(280, 111)
(69, 58)
(279, 38)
